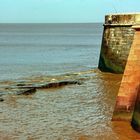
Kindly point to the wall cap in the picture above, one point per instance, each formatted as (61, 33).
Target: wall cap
(118, 25)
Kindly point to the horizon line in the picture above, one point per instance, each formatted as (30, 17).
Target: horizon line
(49, 22)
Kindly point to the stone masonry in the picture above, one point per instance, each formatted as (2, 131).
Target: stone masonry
(116, 42)
(129, 88)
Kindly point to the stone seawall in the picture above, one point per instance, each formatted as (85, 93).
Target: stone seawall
(129, 88)
(116, 42)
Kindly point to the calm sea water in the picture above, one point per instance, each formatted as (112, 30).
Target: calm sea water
(46, 49)
(76, 112)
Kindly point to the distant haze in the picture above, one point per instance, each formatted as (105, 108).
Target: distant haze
(62, 11)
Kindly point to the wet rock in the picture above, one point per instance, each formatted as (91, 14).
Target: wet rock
(1, 99)
(20, 84)
(59, 84)
(52, 84)
(27, 91)
(29, 86)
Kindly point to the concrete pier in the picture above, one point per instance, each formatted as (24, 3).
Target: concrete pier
(129, 88)
(117, 40)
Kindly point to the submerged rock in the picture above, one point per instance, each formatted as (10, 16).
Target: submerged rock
(51, 84)
(59, 84)
(30, 85)
(1, 99)
(20, 84)
(27, 91)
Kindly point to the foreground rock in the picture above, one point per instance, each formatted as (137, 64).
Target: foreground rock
(27, 91)
(1, 99)
(29, 85)
(51, 84)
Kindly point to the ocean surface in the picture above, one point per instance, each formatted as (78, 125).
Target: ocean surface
(36, 53)
(48, 49)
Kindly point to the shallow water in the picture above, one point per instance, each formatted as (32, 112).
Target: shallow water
(76, 112)
(38, 53)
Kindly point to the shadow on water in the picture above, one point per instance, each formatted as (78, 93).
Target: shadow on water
(72, 112)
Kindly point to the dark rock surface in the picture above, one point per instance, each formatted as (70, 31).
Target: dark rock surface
(29, 85)
(28, 91)
(1, 99)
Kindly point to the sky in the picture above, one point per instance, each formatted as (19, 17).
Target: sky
(63, 11)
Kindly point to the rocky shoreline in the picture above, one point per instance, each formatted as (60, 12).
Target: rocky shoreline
(30, 85)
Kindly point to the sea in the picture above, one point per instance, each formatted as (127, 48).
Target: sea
(48, 49)
(72, 112)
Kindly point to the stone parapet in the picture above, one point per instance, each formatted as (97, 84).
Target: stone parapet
(123, 18)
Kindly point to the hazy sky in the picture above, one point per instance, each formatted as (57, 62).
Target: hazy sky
(63, 10)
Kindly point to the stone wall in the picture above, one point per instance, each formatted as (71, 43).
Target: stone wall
(129, 88)
(116, 42)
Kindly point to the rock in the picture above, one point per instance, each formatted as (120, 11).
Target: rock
(1, 99)
(51, 84)
(27, 91)
(59, 84)
(21, 84)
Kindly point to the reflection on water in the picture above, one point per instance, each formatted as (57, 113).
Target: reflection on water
(76, 112)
